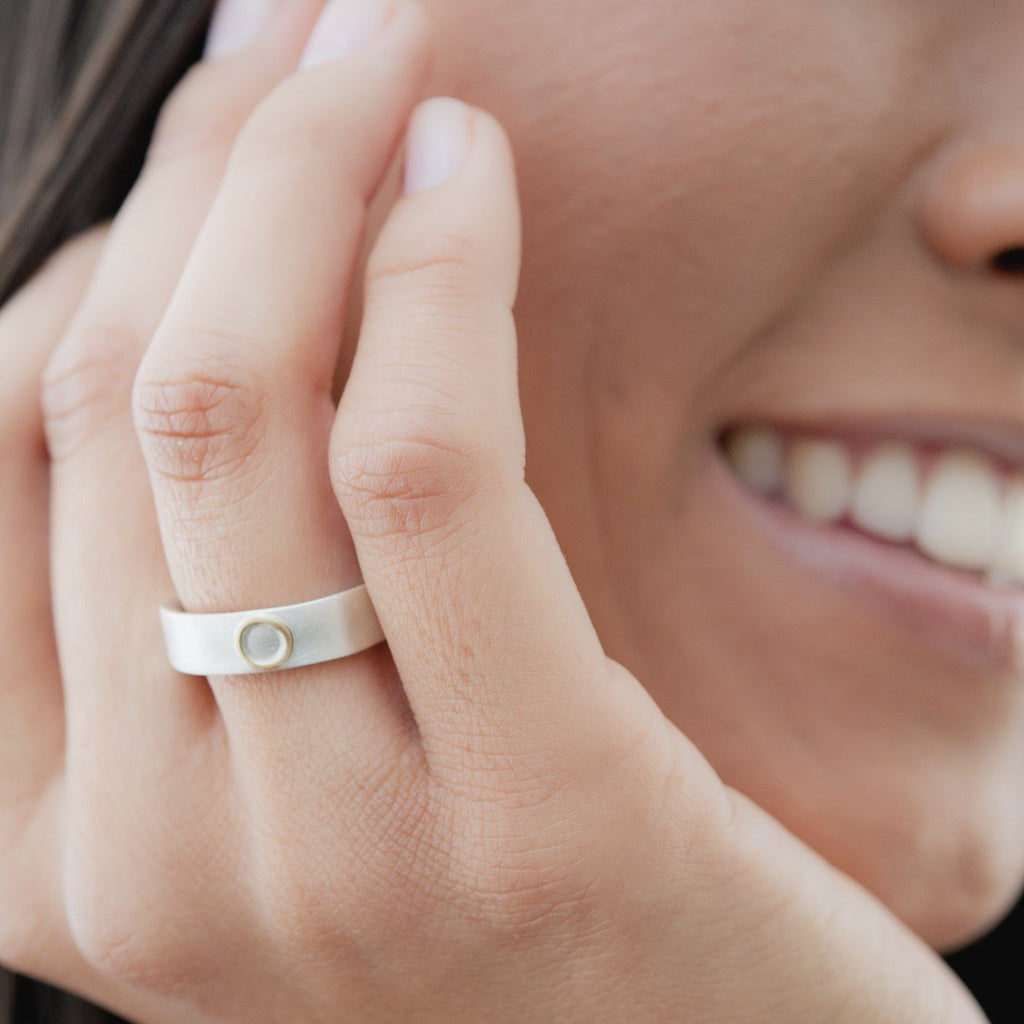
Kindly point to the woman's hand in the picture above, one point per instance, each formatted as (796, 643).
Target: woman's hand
(487, 820)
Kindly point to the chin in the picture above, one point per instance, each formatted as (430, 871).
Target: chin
(918, 730)
(861, 684)
(947, 928)
(949, 874)
(892, 747)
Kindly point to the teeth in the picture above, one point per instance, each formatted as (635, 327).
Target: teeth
(961, 514)
(818, 479)
(887, 500)
(757, 454)
(1009, 561)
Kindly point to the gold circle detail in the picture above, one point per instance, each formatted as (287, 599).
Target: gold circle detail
(267, 627)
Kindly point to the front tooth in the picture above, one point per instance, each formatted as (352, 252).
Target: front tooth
(756, 454)
(961, 512)
(818, 479)
(886, 499)
(1010, 556)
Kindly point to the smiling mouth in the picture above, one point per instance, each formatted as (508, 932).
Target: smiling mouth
(923, 531)
(954, 505)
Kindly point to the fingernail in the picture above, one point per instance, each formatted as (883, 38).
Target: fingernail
(236, 24)
(345, 26)
(437, 143)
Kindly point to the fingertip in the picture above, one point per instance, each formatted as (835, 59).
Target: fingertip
(442, 133)
(459, 179)
(234, 25)
(277, 27)
(437, 143)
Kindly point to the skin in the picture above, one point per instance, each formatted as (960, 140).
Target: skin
(806, 242)
(569, 853)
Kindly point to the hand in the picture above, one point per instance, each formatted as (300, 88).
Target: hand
(487, 820)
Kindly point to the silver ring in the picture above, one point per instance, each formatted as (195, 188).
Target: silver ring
(271, 639)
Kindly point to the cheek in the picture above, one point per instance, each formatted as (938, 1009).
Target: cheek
(689, 167)
(688, 173)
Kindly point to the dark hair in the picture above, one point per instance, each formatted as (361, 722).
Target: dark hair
(81, 82)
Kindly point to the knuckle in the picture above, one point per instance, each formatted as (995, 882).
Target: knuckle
(110, 945)
(437, 264)
(130, 948)
(198, 422)
(116, 928)
(86, 384)
(406, 481)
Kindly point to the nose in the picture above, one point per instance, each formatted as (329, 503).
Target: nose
(972, 216)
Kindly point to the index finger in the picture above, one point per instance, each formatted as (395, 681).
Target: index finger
(493, 643)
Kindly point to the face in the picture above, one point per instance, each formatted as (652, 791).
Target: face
(772, 359)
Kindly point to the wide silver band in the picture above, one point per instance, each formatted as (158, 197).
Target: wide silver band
(271, 639)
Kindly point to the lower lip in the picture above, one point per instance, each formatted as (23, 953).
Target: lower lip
(945, 609)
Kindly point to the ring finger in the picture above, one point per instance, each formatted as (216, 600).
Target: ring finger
(233, 401)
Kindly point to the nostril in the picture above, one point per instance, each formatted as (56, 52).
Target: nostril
(1010, 261)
